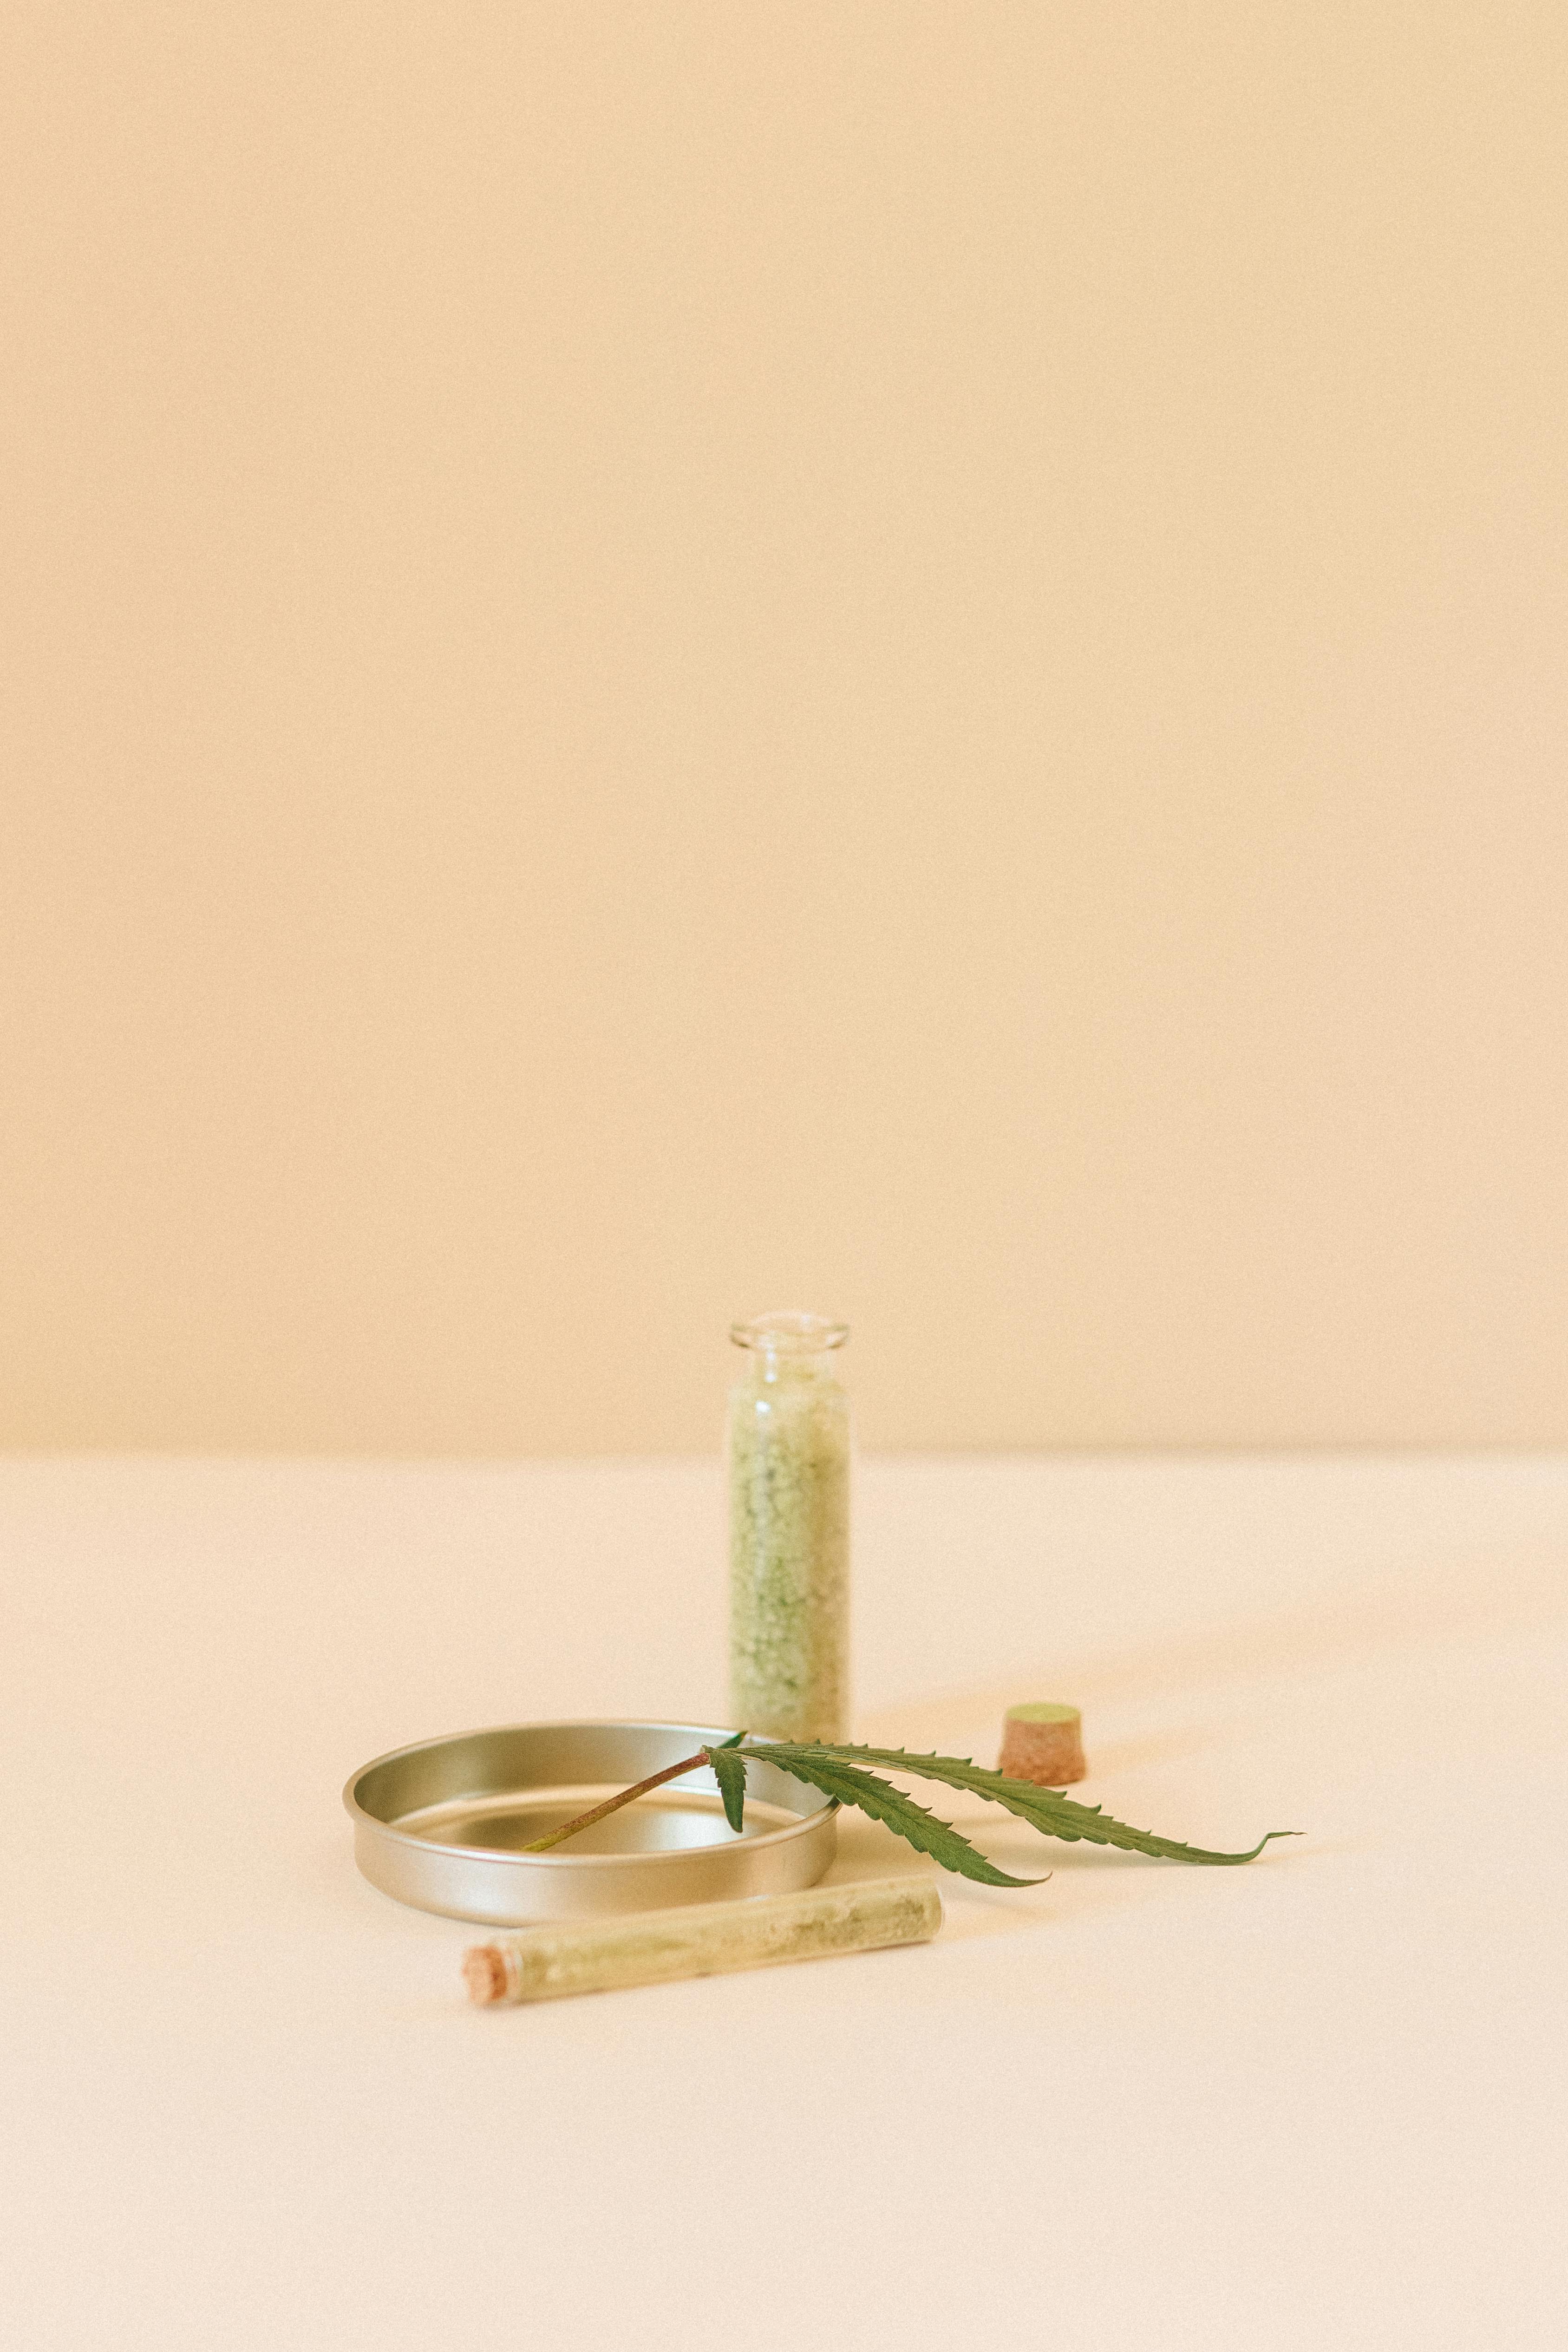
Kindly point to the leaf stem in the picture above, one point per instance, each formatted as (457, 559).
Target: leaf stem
(614, 1804)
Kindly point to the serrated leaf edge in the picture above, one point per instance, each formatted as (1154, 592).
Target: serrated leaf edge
(728, 1767)
(1046, 1809)
(831, 1771)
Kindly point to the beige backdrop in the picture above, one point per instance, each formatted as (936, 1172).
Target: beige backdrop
(664, 659)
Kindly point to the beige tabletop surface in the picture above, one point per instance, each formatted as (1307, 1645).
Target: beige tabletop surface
(1318, 2102)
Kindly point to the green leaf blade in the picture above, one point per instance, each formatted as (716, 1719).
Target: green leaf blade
(729, 1769)
(827, 1769)
(1046, 1809)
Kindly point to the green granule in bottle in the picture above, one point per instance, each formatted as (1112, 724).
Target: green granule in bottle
(789, 1548)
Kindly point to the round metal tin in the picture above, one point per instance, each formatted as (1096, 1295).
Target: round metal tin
(440, 1824)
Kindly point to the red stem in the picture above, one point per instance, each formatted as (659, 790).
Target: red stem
(614, 1804)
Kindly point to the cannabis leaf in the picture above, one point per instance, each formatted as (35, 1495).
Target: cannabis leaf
(1046, 1809)
(840, 1773)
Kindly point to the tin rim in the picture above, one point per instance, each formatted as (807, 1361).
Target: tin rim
(702, 1735)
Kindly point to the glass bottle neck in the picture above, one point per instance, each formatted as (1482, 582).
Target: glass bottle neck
(789, 1347)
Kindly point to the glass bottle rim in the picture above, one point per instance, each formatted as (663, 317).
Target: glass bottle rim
(789, 1331)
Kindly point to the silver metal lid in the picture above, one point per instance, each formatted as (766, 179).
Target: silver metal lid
(440, 1824)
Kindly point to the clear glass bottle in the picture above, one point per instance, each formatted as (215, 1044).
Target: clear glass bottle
(789, 1530)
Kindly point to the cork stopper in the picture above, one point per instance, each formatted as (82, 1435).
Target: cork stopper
(1043, 1741)
(484, 1972)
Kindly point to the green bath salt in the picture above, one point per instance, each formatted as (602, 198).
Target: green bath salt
(789, 1530)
